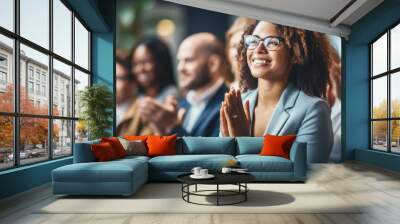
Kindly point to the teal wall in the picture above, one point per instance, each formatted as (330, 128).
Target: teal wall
(99, 15)
(356, 60)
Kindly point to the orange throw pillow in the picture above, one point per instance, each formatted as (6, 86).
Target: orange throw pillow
(103, 151)
(116, 145)
(277, 145)
(161, 145)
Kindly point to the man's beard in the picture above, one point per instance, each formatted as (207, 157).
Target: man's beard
(202, 79)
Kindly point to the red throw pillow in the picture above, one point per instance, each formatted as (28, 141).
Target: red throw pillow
(116, 145)
(103, 151)
(161, 145)
(277, 145)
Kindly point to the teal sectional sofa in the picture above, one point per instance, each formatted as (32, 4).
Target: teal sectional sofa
(125, 176)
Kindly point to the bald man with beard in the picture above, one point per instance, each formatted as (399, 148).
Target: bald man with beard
(202, 66)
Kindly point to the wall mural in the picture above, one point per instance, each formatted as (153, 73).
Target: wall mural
(193, 72)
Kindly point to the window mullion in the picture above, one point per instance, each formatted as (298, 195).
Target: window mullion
(50, 81)
(389, 113)
(16, 84)
(73, 82)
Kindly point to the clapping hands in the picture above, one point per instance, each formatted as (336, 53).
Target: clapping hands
(162, 117)
(234, 117)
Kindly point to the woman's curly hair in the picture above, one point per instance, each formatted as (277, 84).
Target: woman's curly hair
(309, 72)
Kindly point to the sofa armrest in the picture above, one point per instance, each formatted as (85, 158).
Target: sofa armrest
(83, 152)
(298, 155)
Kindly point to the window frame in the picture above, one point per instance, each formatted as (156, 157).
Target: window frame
(16, 115)
(388, 74)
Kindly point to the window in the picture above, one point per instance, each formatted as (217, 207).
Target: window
(385, 95)
(3, 78)
(44, 91)
(46, 73)
(38, 89)
(30, 87)
(37, 74)
(3, 72)
(81, 45)
(6, 89)
(7, 14)
(30, 72)
(3, 61)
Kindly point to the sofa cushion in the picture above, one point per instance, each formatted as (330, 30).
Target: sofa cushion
(185, 163)
(277, 145)
(103, 152)
(249, 145)
(116, 145)
(161, 145)
(257, 163)
(111, 171)
(83, 152)
(206, 145)
(133, 147)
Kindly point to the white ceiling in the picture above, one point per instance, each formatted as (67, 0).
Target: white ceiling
(316, 15)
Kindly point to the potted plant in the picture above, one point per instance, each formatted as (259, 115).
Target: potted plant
(96, 103)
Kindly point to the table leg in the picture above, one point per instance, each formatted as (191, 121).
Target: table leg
(217, 194)
(245, 193)
(196, 188)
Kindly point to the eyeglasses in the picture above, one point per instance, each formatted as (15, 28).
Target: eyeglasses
(271, 43)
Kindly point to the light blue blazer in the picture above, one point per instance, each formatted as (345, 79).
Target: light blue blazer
(305, 116)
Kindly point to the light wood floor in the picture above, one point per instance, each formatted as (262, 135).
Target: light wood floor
(377, 188)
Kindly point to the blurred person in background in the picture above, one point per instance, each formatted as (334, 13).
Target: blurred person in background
(233, 37)
(126, 87)
(152, 67)
(127, 105)
(333, 94)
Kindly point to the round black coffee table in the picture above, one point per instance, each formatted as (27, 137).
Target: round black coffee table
(238, 179)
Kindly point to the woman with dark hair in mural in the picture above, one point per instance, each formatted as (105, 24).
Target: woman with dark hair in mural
(284, 77)
(151, 65)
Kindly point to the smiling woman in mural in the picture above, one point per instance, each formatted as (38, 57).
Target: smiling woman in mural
(284, 76)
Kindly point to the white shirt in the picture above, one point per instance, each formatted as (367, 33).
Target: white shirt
(198, 103)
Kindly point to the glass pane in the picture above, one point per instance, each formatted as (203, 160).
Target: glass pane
(395, 136)
(62, 89)
(379, 98)
(33, 139)
(62, 29)
(81, 45)
(81, 131)
(395, 95)
(379, 55)
(81, 81)
(379, 135)
(35, 21)
(62, 138)
(7, 14)
(34, 97)
(395, 47)
(6, 142)
(6, 74)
